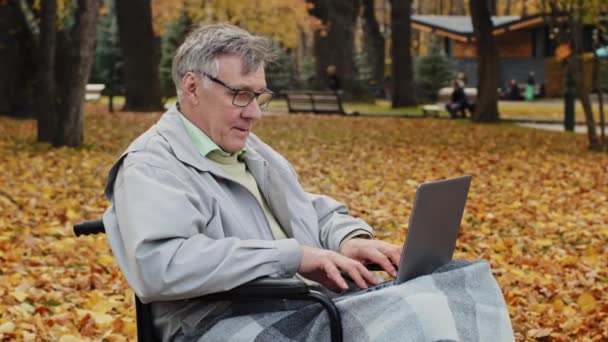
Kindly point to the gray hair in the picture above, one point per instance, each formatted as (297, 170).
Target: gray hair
(200, 51)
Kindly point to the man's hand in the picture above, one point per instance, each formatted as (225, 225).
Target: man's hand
(324, 267)
(373, 251)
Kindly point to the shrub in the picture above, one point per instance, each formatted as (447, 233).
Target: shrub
(432, 73)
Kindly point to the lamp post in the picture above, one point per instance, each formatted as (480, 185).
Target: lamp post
(569, 97)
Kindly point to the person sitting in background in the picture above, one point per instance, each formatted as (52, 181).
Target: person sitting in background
(513, 92)
(461, 78)
(458, 102)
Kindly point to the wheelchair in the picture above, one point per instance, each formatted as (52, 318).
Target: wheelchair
(258, 290)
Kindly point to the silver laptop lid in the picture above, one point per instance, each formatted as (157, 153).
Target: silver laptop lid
(433, 228)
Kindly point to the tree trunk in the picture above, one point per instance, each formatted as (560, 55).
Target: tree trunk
(297, 56)
(141, 54)
(491, 7)
(597, 85)
(9, 56)
(17, 62)
(47, 116)
(569, 31)
(374, 42)
(440, 7)
(600, 95)
(75, 74)
(64, 66)
(486, 108)
(458, 7)
(404, 91)
(507, 8)
(335, 46)
(576, 68)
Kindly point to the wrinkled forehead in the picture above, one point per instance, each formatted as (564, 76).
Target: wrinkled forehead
(236, 65)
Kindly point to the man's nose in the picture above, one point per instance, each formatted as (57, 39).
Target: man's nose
(252, 110)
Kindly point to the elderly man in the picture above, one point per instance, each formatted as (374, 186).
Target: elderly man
(201, 205)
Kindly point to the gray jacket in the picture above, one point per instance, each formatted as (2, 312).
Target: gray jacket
(179, 227)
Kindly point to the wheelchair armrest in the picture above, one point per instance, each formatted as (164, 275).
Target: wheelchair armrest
(264, 287)
(274, 287)
(285, 288)
(89, 227)
(267, 287)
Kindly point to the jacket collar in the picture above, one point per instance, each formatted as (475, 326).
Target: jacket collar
(171, 127)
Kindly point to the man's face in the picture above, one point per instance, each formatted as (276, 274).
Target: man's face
(226, 124)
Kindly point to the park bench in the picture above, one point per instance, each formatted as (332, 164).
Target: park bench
(443, 96)
(315, 101)
(259, 290)
(93, 91)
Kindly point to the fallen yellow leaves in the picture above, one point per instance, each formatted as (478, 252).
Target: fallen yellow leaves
(19, 296)
(7, 327)
(586, 302)
(539, 333)
(537, 210)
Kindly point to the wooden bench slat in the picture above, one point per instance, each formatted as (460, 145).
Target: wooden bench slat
(327, 106)
(323, 100)
(302, 109)
(93, 91)
(298, 97)
(314, 101)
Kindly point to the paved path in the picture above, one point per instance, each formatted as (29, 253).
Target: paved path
(582, 129)
(545, 124)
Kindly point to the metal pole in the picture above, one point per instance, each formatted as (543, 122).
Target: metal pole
(569, 97)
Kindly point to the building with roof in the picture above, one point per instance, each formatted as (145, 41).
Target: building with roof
(523, 46)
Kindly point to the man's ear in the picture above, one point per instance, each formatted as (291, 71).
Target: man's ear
(189, 85)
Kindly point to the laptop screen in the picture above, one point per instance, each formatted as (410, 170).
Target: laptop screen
(433, 229)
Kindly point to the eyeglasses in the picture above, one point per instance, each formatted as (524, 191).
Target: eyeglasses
(242, 98)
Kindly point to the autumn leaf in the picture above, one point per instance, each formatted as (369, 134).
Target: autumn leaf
(7, 327)
(586, 302)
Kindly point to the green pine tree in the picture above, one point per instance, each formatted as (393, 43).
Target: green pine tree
(170, 41)
(107, 60)
(432, 73)
(278, 73)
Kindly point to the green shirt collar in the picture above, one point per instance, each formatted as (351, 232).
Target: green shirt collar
(203, 144)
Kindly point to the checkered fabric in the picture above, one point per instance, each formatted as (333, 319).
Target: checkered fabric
(459, 302)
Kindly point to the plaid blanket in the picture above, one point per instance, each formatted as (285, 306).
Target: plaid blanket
(459, 302)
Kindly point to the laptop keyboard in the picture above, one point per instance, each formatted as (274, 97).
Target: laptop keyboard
(370, 289)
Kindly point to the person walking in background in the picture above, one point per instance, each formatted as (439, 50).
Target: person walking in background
(333, 81)
(530, 87)
(388, 87)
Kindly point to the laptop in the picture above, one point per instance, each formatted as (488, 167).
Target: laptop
(433, 229)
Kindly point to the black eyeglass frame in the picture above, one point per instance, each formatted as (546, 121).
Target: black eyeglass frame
(237, 91)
